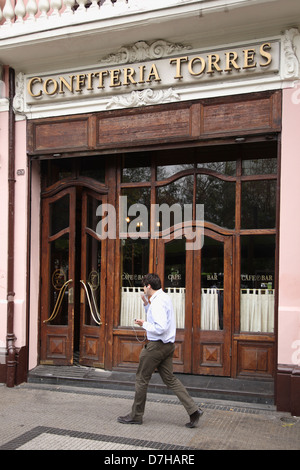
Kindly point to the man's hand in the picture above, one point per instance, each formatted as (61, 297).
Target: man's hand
(139, 322)
(144, 299)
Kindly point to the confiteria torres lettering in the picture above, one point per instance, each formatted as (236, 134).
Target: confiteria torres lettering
(139, 75)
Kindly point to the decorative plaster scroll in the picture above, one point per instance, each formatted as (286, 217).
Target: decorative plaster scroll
(143, 98)
(18, 101)
(291, 67)
(142, 50)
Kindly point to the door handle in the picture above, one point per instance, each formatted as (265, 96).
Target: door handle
(98, 321)
(58, 301)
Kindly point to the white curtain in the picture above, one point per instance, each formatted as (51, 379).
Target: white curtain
(209, 309)
(257, 310)
(132, 305)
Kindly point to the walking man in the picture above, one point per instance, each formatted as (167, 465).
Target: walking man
(158, 353)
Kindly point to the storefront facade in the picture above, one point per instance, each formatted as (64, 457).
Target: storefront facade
(175, 157)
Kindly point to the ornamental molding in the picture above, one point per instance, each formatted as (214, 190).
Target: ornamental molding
(143, 98)
(142, 50)
(291, 51)
(18, 101)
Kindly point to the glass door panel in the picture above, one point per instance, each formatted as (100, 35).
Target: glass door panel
(174, 278)
(212, 284)
(92, 284)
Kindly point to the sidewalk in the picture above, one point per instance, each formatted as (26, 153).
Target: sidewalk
(54, 417)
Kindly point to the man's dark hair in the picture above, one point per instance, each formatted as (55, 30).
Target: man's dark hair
(152, 279)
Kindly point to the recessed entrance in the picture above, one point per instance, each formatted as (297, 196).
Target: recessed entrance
(72, 279)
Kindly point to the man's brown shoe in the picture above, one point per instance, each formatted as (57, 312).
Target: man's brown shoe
(128, 420)
(194, 418)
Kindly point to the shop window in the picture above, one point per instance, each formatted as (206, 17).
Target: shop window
(218, 197)
(257, 283)
(134, 265)
(258, 204)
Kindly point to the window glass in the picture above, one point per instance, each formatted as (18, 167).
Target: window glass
(225, 168)
(56, 170)
(258, 204)
(212, 284)
(171, 200)
(218, 198)
(59, 275)
(262, 166)
(135, 211)
(174, 283)
(59, 215)
(136, 168)
(93, 167)
(257, 283)
(134, 265)
(92, 282)
(166, 171)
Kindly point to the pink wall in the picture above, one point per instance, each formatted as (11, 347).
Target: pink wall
(289, 256)
(20, 234)
(3, 225)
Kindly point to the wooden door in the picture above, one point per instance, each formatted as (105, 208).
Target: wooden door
(200, 285)
(174, 267)
(57, 277)
(92, 280)
(212, 306)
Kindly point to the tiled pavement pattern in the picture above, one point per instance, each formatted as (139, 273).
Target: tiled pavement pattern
(49, 417)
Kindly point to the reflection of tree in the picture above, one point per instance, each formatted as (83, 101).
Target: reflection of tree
(260, 166)
(218, 197)
(258, 204)
(178, 192)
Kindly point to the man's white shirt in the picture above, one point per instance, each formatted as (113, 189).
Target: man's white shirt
(160, 324)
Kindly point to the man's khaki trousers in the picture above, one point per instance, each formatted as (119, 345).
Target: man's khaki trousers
(158, 355)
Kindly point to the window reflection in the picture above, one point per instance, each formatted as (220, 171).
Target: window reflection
(136, 168)
(218, 197)
(258, 204)
(225, 168)
(166, 171)
(262, 166)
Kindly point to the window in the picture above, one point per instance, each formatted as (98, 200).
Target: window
(257, 283)
(134, 265)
